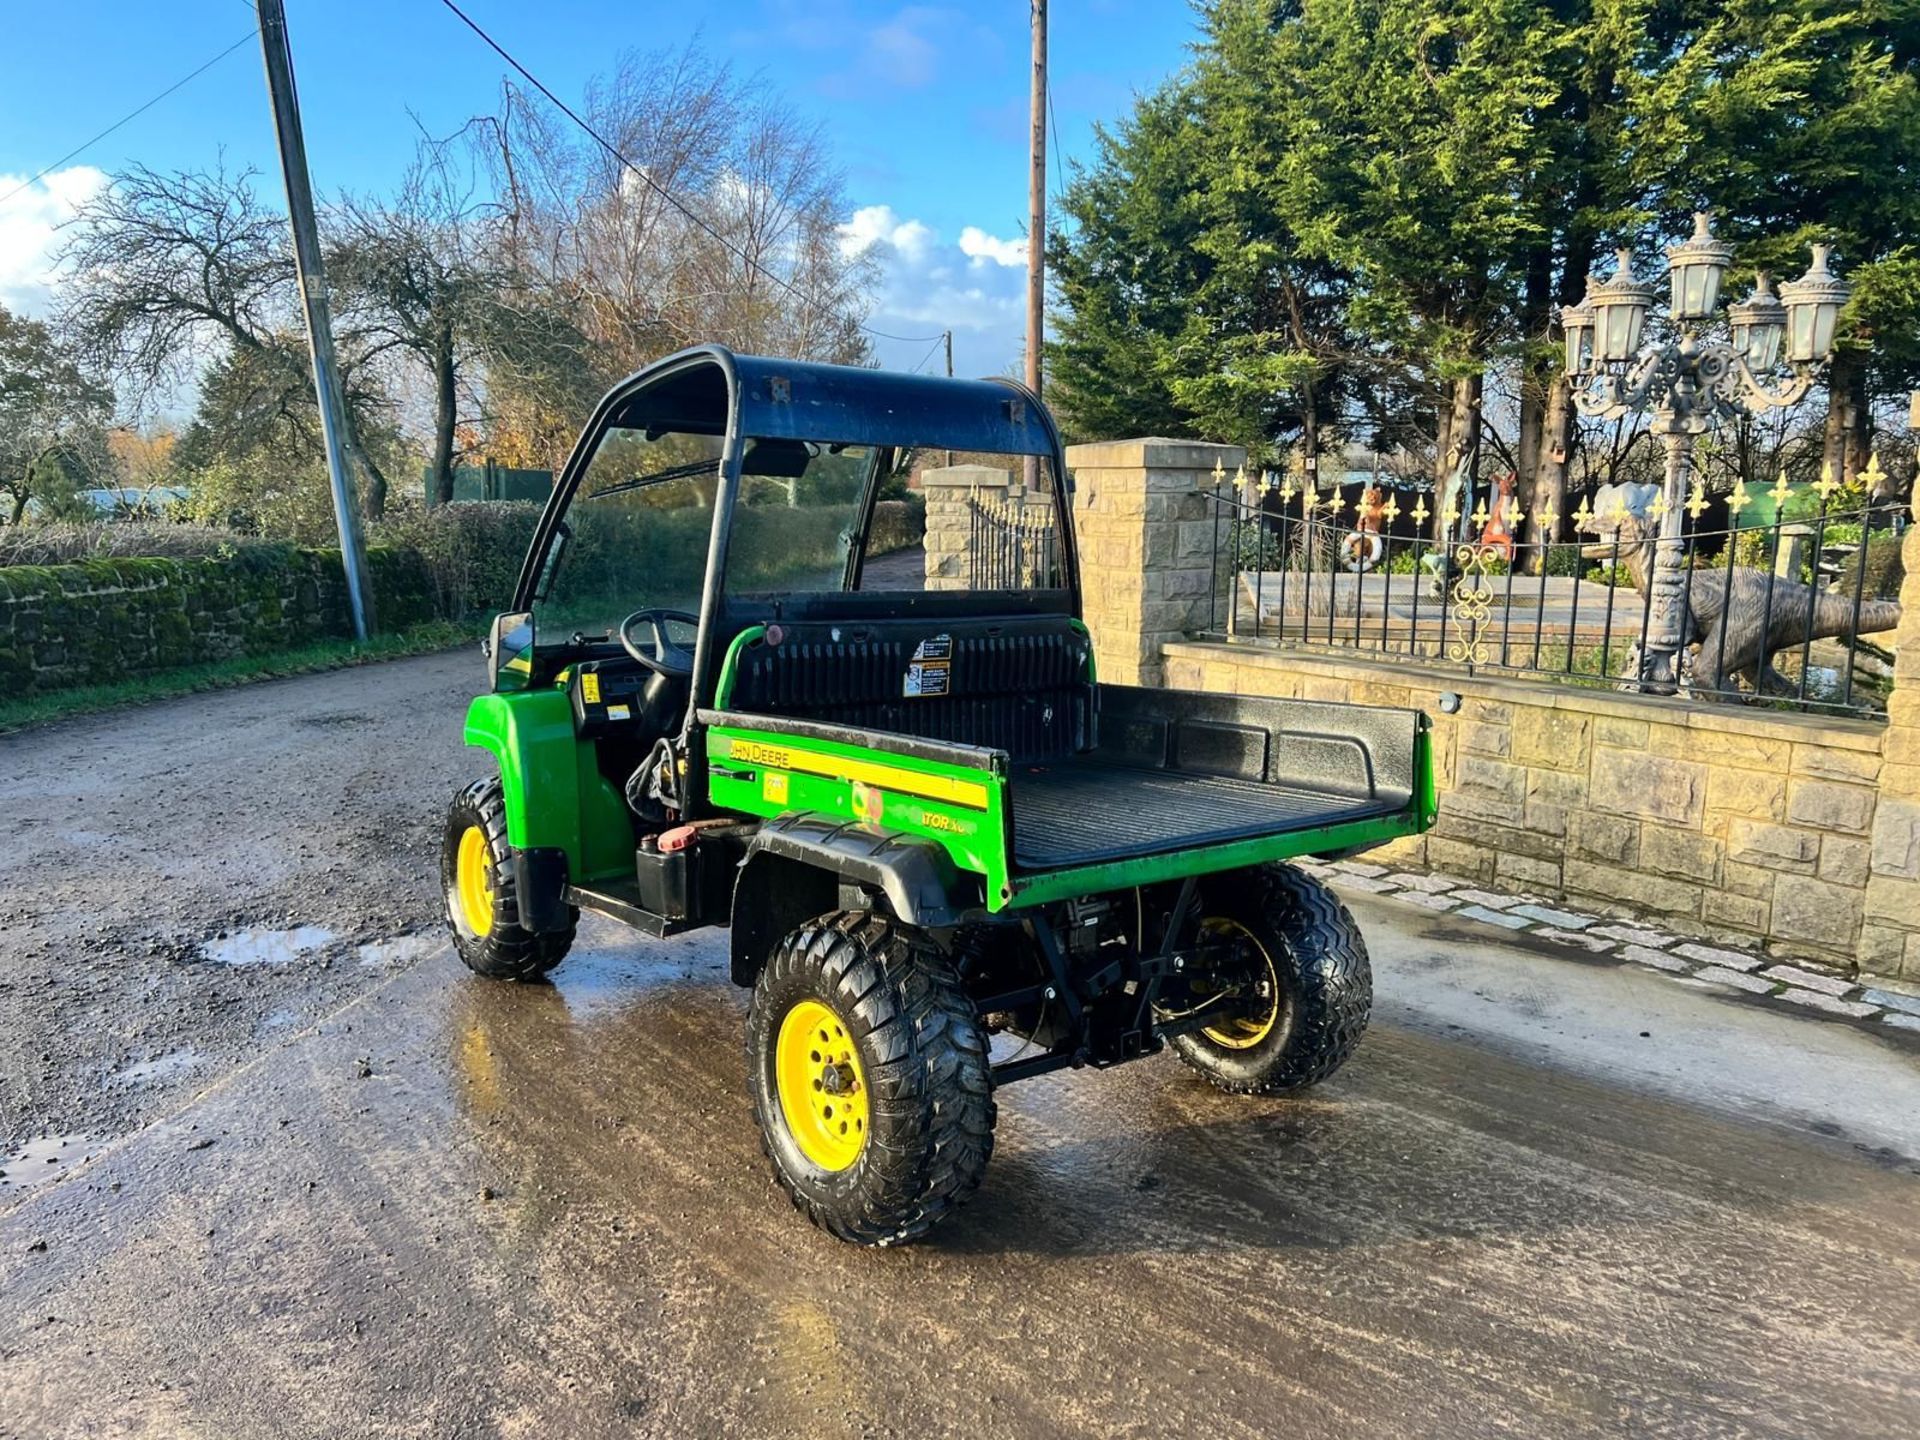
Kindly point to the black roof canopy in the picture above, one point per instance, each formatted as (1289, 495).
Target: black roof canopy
(845, 404)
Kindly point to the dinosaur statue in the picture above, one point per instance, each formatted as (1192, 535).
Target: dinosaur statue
(1793, 611)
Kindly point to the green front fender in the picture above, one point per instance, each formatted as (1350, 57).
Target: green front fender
(556, 797)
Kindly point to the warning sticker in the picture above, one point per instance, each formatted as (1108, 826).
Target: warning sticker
(930, 672)
(590, 687)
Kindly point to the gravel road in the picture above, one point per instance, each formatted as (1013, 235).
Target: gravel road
(141, 841)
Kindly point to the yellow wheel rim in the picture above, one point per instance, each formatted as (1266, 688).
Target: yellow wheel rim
(1243, 1032)
(473, 881)
(823, 1090)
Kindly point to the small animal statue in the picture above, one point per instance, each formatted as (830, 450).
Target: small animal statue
(1794, 612)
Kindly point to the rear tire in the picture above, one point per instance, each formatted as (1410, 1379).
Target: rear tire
(1321, 983)
(870, 1078)
(483, 911)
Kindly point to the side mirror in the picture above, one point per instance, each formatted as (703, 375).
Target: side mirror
(510, 651)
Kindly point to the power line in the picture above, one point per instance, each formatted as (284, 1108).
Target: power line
(929, 355)
(130, 115)
(903, 339)
(646, 179)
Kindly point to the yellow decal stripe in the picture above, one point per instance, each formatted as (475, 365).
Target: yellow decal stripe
(906, 782)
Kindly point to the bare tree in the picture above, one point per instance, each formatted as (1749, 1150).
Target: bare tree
(170, 274)
(727, 233)
(419, 280)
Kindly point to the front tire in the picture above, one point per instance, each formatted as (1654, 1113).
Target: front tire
(870, 1078)
(483, 910)
(1308, 966)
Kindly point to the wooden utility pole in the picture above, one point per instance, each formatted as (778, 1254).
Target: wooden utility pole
(1037, 201)
(278, 54)
(949, 339)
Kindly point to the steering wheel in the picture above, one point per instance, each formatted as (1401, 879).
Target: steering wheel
(669, 658)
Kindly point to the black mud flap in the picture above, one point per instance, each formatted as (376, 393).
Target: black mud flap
(540, 886)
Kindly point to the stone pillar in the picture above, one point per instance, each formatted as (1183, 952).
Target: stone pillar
(1890, 935)
(949, 527)
(1146, 533)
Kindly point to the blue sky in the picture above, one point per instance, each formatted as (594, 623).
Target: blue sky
(925, 106)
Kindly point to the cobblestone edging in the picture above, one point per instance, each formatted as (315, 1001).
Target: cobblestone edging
(1891, 1003)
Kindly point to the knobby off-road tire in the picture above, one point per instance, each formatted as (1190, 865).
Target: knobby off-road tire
(875, 1002)
(476, 879)
(1323, 990)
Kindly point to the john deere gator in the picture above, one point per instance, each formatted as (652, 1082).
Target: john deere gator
(734, 692)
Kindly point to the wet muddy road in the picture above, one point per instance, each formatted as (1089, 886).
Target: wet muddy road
(1545, 1199)
(150, 859)
(462, 1208)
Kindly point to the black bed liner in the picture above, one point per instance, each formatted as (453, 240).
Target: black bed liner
(1177, 770)
(1085, 811)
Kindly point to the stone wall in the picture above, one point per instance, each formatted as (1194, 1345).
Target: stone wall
(1147, 536)
(1753, 828)
(63, 626)
(1794, 834)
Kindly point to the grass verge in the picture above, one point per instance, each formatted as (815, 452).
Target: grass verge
(224, 674)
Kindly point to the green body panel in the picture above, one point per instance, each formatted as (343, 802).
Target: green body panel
(555, 795)
(869, 785)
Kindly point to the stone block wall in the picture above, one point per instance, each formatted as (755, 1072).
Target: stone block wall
(1795, 834)
(1890, 932)
(1709, 820)
(63, 626)
(1146, 532)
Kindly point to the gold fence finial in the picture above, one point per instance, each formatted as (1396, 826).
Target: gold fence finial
(1826, 484)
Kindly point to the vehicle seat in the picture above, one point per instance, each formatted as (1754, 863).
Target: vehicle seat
(1018, 685)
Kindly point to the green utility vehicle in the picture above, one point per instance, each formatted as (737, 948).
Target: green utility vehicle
(734, 692)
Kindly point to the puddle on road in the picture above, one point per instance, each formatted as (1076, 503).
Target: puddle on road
(163, 1067)
(399, 950)
(265, 947)
(47, 1158)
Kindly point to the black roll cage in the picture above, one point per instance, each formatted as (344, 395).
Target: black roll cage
(824, 404)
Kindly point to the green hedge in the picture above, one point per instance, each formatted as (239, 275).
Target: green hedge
(104, 620)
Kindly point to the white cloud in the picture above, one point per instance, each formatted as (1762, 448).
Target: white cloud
(29, 225)
(982, 247)
(878, 225)
(975, 287)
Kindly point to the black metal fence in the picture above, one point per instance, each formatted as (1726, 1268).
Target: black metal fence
(1011, 545)
(1782, 612)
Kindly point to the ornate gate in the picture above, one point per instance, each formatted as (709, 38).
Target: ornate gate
(1011, 546)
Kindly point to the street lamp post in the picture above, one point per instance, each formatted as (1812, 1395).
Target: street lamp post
(1692, 383)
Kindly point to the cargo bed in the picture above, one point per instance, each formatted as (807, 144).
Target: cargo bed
(1176, 771)
(1085, 811)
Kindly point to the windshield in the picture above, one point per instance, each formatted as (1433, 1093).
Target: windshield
(635, 535)
(637, 530)
(799, 502)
